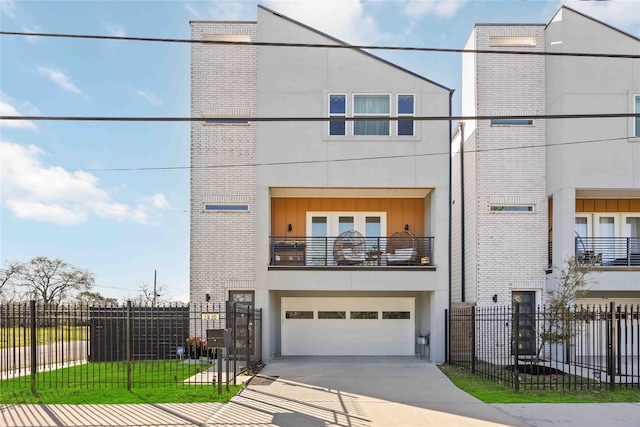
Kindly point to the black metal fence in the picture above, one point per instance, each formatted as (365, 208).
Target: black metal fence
(386, 252)
(608, 251)
(584, 347)
(127, 346)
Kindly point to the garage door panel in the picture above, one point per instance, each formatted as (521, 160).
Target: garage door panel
(346, 336)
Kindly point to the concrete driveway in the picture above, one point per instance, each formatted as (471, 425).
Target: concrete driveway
(356, 392)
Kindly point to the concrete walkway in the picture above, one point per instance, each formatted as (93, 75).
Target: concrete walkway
(334, 391)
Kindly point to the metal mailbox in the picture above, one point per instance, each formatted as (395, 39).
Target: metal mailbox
(219, 338)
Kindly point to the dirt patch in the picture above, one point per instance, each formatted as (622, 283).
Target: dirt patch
(262, 380)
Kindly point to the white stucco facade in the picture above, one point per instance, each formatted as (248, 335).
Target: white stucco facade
(563, 178)
(279, 158)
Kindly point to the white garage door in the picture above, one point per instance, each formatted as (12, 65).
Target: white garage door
(348, 326)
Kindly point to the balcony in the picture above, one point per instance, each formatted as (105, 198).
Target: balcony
(351, 250)
(608, 251)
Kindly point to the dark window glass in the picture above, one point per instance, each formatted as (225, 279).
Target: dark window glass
(299, 314)
(337, 104)
(405, 127)
(512, 208)
(364, 315)
(332, 315)
(396, 315)
(511, 122)
(337, 127)
(405, 104)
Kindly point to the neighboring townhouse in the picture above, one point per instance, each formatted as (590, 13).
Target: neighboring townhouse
(528, 193)
(338, 230)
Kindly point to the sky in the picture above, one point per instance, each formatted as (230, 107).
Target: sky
(75, 191)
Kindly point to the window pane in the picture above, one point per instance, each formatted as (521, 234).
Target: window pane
(345, 223)
(500, 208)
(607, 227)
(396, 315)
(332, 314)
(405, 127)
(299, 314)
(337, 127)
(512, 122)
(371, 104)
(581, 227)
(364, 315)
(405, 104)
(637, 118)
(373, 127)
(337, 104)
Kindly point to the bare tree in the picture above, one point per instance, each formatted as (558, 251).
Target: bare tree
(572, 285)
(145, 294)
(50, 281)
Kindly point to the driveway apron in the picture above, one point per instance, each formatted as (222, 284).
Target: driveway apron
(356, 392)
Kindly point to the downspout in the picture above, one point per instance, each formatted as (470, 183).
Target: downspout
(450, 191)
(462, 239)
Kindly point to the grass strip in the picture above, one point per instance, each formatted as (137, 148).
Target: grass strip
(492, 392)
(106, 383)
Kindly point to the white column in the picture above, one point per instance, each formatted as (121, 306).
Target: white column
(564, 213)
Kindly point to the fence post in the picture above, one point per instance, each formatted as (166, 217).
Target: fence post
(235, 342)
(128, 344)
(610, 345)
(516, 341)
(447, 350)
(33, 347)
(473, 340)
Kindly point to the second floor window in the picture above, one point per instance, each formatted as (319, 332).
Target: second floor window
(371, 106)
(405, 109)
(337, 108)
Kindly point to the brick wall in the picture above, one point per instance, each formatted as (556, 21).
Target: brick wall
(223, 157)
(511, 167)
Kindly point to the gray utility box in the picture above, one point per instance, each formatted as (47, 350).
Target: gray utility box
(219, 338)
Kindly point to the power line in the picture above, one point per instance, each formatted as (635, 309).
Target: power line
(236, 120)
(324, 46)
(354, 159)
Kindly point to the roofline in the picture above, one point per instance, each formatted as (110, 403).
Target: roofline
(355, 48)
(509, 25)
(223, 22)
(593, 19)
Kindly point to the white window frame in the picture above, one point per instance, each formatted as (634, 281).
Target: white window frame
(413, 123)
(636, 120)
(330, 114)
(382, 117)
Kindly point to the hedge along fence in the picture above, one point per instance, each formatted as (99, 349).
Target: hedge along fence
(129, 346)
(581, 347)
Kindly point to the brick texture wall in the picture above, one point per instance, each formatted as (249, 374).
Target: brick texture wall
(511, 167)
(223, 157)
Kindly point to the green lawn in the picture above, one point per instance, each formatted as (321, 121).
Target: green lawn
(21, 337)
(491, 392)
(103, 383)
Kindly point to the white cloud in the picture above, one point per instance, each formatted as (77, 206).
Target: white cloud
(152, 98)
(31, 39)
(8, 7)
(345, 20)
(618, 13)
(7, 109)
(439, 8)
(231, 10)
(193, 11)
(51, 194)
(60, 79)
(115, 30)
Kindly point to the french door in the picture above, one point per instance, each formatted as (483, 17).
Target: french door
(324, 227)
